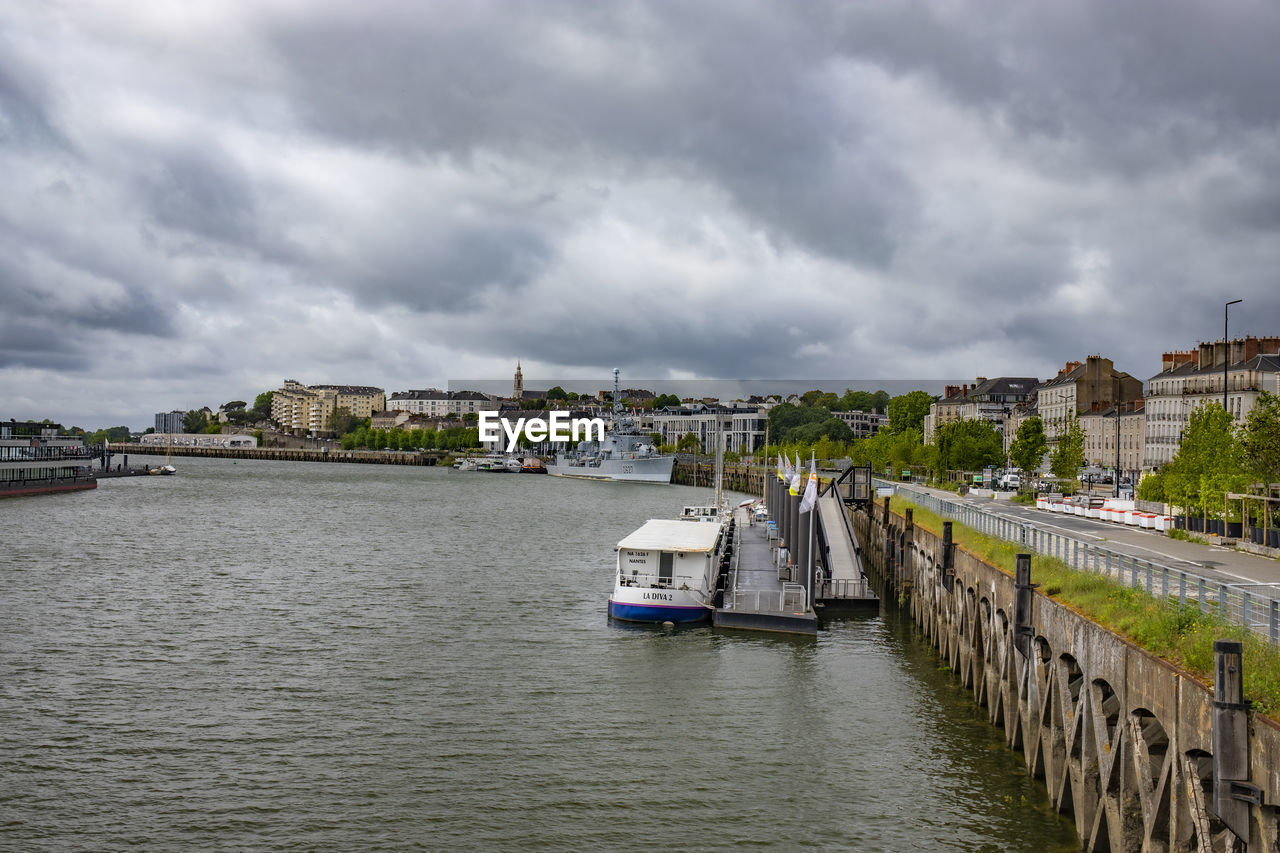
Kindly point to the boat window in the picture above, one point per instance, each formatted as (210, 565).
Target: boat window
(666, 563)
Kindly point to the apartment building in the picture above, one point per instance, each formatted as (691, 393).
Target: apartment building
(167, 422)
(1191, 378)
(302, 408)
(1093, 385)
(743, 428)
(434, 403)
(863, 424)
(991, 400)
(1115, 438)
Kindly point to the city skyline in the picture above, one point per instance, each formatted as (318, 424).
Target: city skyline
(206, 199)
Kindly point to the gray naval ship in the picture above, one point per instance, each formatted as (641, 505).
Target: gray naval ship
(624, 454)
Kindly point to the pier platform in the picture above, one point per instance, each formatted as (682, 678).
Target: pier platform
(756, 600)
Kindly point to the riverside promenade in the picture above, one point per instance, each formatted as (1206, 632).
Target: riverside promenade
(1219, 562)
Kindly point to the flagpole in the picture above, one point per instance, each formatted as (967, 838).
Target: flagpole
(764, 456)
(813, 510)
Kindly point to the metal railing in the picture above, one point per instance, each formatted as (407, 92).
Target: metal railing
(790, 599)
(1255, 606)
(655, 581)
(843, 588)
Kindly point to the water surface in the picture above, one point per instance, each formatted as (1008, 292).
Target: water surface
(293, 656)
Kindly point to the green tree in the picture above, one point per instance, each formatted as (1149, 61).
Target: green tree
(1208, 463)
(1260, 439)
(557, 393)
(1029, 446)
(786, 416)
(820, 399)
(815, 431)
(907, 411)
(262, 405)
(1068, 453)
(688, 443)
(663, 400)
(968, 445)
(862, 401)
(193, 421)
(213, 429)
(341, 421)
(1152, 486)
(234, 405)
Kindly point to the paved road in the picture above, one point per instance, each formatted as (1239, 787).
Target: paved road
(1223, 564)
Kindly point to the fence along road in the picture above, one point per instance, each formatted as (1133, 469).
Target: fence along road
(1247, 593)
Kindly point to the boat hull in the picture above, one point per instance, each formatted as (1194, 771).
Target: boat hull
(654, 469)
(48, 488)
(658, 613)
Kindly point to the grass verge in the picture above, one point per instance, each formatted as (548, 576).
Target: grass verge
(1180, 634)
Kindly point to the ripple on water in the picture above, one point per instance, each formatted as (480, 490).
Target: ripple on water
(290, 656)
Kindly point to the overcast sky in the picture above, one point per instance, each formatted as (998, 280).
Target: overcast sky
(201, 199)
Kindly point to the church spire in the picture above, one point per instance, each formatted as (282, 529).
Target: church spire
(517, 390)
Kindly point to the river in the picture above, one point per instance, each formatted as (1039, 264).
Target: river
(301, 656)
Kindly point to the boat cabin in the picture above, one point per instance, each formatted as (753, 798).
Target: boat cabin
(700, 513)
(669, 554)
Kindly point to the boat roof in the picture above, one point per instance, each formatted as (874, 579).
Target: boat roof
(666, 534)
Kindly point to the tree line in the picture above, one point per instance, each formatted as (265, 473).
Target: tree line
(1218, 457)
(450, 438)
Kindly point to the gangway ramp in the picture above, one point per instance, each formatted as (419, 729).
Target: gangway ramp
(843, 583)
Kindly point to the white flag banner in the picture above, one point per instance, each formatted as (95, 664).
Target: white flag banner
(810, 491)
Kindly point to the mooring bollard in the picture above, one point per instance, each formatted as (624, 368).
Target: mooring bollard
(1232, 791)
(948, 575)
(1024, 597)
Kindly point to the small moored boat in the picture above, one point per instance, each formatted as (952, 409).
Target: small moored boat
(668, 569)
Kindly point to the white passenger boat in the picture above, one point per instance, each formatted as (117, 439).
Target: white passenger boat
(667, 569)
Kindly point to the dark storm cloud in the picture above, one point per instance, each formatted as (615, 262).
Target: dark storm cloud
(723, 188)
(1172, 73)
(39, 342)
(449, 268)
(24, 117)
(712, 97)
(195, 190)
(59, 303)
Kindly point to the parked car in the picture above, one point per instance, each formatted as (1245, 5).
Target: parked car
(1010, 482)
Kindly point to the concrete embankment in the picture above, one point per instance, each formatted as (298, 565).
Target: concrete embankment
(738, 478)
(367, 457)
(1141, 754)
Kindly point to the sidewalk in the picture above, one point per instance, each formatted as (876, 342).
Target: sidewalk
(1222, 563)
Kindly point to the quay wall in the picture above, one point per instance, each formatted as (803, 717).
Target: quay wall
(1123, 740)
(290, 454)
(738, 478)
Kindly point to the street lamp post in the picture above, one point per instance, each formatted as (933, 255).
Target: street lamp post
(1117, 474)
(1226, 351)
